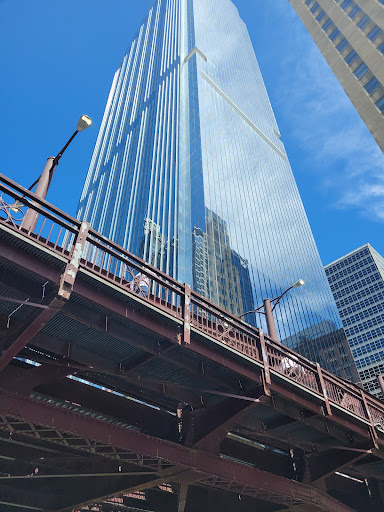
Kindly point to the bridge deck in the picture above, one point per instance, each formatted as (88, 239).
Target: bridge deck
(113, 372)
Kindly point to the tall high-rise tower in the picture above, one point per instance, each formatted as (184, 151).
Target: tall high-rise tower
(189, 172)
(357, 284)
(350, 35)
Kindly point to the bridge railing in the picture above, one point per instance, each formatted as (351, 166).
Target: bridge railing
(54, 228)
(58, 231)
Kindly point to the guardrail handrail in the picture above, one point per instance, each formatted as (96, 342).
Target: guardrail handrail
(138, 277)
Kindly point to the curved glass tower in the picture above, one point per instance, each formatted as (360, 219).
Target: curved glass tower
(189, 173)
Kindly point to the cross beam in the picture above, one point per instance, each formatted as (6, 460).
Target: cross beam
(277, 489)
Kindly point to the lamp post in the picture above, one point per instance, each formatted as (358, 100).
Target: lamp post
(44, 180)
(380, 380)
(268, 310)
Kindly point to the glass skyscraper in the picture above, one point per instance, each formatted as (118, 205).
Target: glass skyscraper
(190, 173)
(357, 284)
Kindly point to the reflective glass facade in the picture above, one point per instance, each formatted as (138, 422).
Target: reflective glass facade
(189, 172)
(357, 284)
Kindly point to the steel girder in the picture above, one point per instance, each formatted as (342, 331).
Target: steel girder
(214, 471)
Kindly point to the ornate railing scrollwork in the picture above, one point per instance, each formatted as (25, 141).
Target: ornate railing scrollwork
(12, 212)
(57, 231)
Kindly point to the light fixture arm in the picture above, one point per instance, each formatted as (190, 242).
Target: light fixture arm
(268, 310)
(277, 299)
(60, 154)
(44, 180)
(253, 311)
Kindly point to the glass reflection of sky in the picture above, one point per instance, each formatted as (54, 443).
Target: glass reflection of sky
(189, 171)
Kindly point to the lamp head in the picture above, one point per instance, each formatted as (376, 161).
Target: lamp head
(16, 206)
(84, 123)
(298, 283)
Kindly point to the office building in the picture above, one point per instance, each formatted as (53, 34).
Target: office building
(350, 35)
(357, 284)
(190, 173)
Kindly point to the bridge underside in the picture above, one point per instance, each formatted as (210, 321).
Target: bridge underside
(100, 402)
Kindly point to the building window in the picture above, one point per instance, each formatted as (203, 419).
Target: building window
(380, 104)
(342, 45)
(374, 33)
(372, 85)
(320, 16)
(361, 70)
(345, 4)
(354, 12)
(334, 34)
(327, 24)
(315, 7)
(363, 22)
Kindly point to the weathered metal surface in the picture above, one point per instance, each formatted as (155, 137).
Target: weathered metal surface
(218, 471)
(30, 331)
(173, 346)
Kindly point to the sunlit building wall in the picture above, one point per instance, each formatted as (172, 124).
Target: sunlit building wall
(357, 284)
(350, 35)
(190, 172)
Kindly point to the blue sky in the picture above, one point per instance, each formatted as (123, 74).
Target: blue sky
(58, 60)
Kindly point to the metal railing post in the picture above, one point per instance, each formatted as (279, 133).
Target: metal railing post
(266, 374)
(323, 389)
(373, 432)
(187, 315)
(69, 275)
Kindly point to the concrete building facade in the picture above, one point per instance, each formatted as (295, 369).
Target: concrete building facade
(357, 284)
(350, 35)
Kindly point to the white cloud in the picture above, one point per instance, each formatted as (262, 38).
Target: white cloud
(327, 127)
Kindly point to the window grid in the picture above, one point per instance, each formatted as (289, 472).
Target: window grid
(362, 20)
(352, 59)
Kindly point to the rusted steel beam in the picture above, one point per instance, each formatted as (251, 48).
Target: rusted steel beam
(159, 348)
(21, 285)
(28, 500)
(30, 331)
(24, 381)
(232, 360)
(237, 366)
(150, 420)
(98, 369)
(308, 403)
(125, 310)
(182, 498)
(320, 465)
(258, 454)
(131, 366)
(67, 467)
(19, 257)
(275, 487)
(370, 469)
(170, 284)
(161, 477)
(213, 424)
(272, 426)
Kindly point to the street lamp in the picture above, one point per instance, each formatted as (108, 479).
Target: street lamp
(380, 380)
(16, 206)
(268, 309)
(44, 180)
